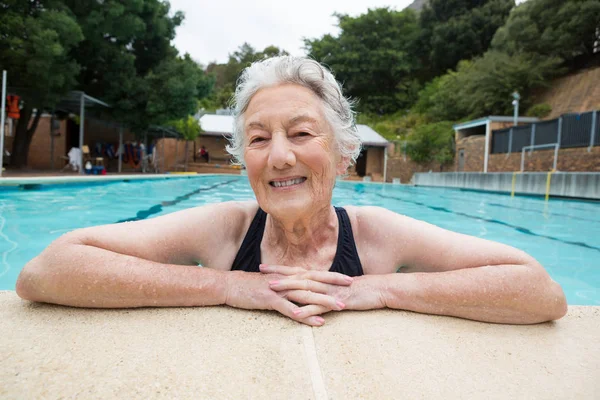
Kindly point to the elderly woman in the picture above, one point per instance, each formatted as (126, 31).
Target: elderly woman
(292, 251)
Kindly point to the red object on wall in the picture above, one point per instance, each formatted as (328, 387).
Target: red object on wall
(13, 106)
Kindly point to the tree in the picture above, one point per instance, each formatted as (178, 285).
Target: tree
(117, 50)
(226, 75)
(371, 57)
(551, 28)
(127, 60)
(189, 128)
(432, 142)
(36, 38)
(455, 30)
(485, 85)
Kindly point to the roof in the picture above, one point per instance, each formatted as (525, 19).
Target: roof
(493, 118)
(216, 125)
(222, 125)
(369, 137)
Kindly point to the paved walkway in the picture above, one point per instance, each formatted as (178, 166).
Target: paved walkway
(51, 351)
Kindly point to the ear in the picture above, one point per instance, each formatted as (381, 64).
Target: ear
(342, 166)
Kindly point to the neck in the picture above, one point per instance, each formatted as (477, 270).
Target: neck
(299, 237)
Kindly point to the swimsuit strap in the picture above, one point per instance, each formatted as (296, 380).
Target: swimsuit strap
(346, 260)
(248, 257)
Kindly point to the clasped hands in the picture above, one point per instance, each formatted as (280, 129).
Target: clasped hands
(300, 294)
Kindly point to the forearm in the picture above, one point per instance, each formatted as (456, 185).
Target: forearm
(514, 294)
(85, 276)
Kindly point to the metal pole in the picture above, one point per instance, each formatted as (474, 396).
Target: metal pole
(523, 159)
(559, 135)
(555, 156)
(516, 98)
(487, 146)
(2, 111)
(510, 134)
(532, 136)
(119, 149)
(592, 133)
(81, 123)
(385, 157)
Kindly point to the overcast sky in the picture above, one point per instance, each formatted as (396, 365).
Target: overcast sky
(213, 29)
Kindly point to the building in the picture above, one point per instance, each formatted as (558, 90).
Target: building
(493, 144)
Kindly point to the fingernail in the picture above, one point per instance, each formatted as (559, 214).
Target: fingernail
(297, 311)
(265, 267)
(340, 304)
(348, 279)
(273, 282)
(319, 320)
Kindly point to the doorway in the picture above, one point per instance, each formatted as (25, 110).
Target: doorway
(361, 163)
(72, 139)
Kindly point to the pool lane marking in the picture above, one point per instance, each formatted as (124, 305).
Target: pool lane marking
(157, 208)
(519, 208)
(493, 221)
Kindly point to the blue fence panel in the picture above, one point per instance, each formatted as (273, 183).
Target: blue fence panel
(521, 137)
(546, 132)
(576, 130)
(500, 141)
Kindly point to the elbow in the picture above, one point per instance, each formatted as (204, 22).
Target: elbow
(553, 303)
(557, 302)
(34, 278)
(26, 282)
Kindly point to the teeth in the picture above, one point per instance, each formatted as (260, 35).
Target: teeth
(288, 182)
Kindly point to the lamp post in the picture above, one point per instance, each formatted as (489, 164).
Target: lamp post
(515, 103)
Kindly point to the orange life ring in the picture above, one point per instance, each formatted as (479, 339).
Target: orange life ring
(13, 106)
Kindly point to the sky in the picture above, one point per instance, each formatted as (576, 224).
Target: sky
(213, 29)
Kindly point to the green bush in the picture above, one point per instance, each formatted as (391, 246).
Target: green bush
(432, 142)
(539, 110)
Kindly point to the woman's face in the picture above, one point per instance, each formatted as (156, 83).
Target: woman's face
(289, 151)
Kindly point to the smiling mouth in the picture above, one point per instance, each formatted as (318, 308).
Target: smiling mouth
(288, 183)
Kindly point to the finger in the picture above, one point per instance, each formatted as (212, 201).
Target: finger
(333, 278)
(280, 269)
(306, 297)
(290, 310)
(279, 285)
(310, 310)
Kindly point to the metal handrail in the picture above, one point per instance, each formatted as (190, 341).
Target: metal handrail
(555, 145)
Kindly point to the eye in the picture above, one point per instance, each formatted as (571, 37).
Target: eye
(302, 134)
(257, 140)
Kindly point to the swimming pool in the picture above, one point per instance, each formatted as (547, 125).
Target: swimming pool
(564, 235)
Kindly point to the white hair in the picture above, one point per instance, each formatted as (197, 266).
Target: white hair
(305, 72)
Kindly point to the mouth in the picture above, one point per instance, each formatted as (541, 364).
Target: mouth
(284, 183)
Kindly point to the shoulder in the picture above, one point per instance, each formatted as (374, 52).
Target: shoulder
(381, 237)
(369, 220)
(230, 216)
(217, 230)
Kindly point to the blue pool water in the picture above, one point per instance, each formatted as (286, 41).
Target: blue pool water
(564, 235)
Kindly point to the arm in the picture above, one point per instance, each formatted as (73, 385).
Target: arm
(145, 263)
(455, 274)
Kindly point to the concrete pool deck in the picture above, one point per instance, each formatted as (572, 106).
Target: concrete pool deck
(50, 351)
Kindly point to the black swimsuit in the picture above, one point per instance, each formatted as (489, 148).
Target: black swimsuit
(346, 260)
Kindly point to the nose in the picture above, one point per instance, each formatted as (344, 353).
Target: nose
(281, 155)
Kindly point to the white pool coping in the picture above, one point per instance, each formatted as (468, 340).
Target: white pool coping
(52, 180)
(55, 352)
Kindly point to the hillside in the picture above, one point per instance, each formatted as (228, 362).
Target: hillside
(417, 5)
(573, 93)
